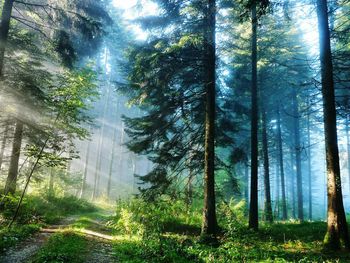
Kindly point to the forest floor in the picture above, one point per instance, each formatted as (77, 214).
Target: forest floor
(77, 238)
(143, 233)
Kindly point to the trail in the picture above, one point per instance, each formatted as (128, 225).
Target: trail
(100, 243)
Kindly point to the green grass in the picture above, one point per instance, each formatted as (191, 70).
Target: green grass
(63, 247)
(289, 242)
(96, 221)
(171, 234)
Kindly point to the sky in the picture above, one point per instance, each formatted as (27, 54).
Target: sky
(130, 12)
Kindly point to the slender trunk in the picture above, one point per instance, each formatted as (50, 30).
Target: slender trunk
(298, 154)
(16, 151)
(189, 190)
(277, 190)
(337, 229)
(4, 31)
(309, 165)
(348, 146)
(268, 207)
(246, 178)
(253, 209)
(281, 166)
(3, 143)
(86, 168)
(51, 179)
(209, 224)
(121, 154)
(110, 172)
(292, 179)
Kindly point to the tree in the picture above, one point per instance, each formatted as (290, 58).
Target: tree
(4, 30)
(337, 229)
(209, 223)
(253, 209)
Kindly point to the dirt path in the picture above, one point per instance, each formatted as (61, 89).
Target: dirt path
(101, 250)
(25, 250)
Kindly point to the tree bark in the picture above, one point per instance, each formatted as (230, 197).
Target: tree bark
(309, 166)
(253, 208)
(11, 180)
(209, 224)
(297, 146)
(292, 181)
(4, 31)
(3, 143)
(281, 166)
(348, 146)
(268, 206)
(337, 229)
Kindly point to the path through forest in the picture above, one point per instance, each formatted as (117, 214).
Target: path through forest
(100, 243)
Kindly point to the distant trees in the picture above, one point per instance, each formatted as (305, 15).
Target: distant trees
(31, 103)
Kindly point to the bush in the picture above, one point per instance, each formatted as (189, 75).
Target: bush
(36, 208)
(63, 247)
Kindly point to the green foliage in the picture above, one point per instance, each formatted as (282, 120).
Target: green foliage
(10, 236)
(63, 247)
(146, 219)
(168, 236)
(40, 208)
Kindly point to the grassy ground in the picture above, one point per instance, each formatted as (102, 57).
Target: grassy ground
(289, 242)
(165, 232)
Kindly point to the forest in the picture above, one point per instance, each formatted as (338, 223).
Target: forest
(174, 131)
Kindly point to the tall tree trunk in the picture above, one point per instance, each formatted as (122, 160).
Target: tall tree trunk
(253, 209)
(268, 206)
(292, 180)
(3, 143)
(11, 180)
(297, 146)
(309, 165)
(110, 172)
(246, 178)
(277, 190)
(4, 31)
(86, 169)
(281, 166)
(348, 146)
(337, 229)
(209, 224)
(51, 182)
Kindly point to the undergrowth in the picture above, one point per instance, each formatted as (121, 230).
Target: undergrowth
(63, 247)
(164, 231)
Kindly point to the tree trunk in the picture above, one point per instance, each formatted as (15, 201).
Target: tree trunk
(281, 166)
(209, 224)
(292, 179)
(51, 182)
(348, 146)
(268, 207)
(11, 180)
(4, 31)
(297, 146)
(309, 165)
(3, 143)
(86, 169)
(246, 188)
(110, 172)
(253, 209)
(337, 229)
